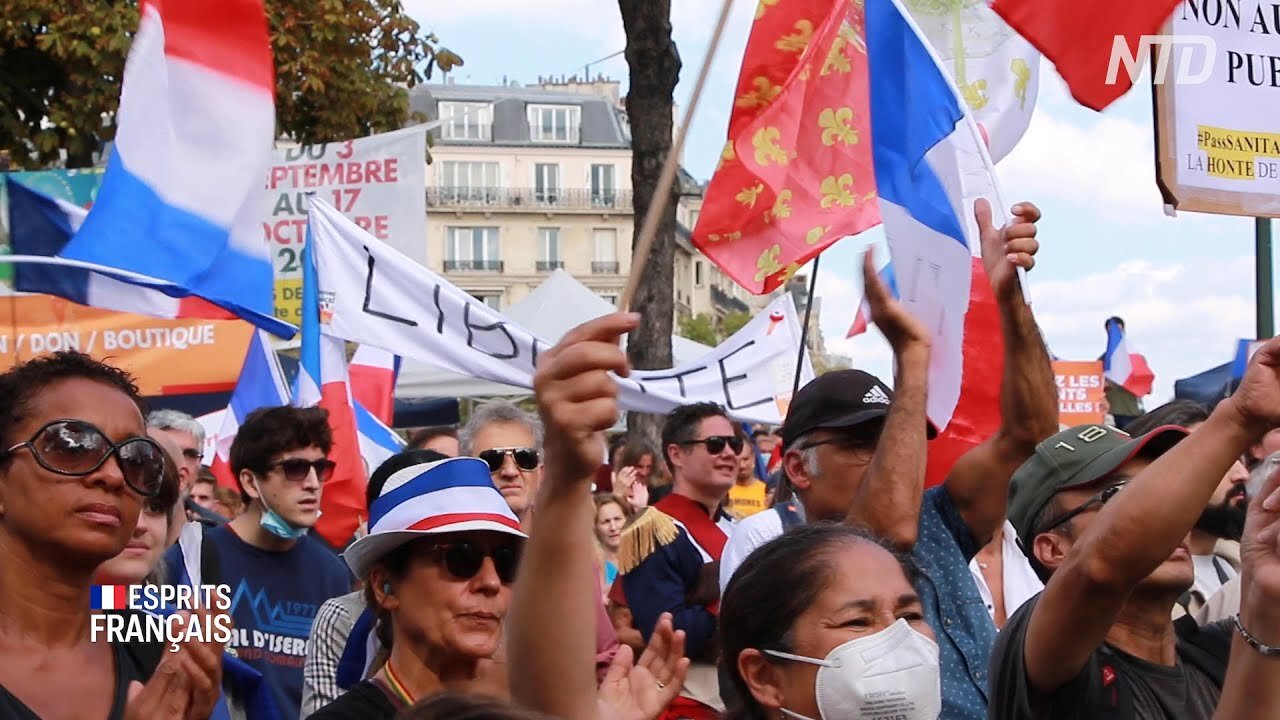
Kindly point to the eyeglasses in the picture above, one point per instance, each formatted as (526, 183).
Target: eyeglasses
(1100, 499)
(464, 559)
(862, 445)
(76, 448)
(297, 469)
(716, 443)
(526, 458)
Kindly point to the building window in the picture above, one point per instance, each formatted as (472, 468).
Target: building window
(693, 219)
(472, 249)
(613, 299)
(604, 193)
(606, 247)
(546, 183)
(697, 273)
(555, 123)
(466, 121)
(549, 256)
(472, 182)
(493, 300)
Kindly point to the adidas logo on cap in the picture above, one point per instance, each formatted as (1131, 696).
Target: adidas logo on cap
(876, 396)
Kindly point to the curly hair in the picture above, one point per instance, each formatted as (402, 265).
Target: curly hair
(21, 384)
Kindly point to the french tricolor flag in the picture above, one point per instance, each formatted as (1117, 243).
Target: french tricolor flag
(41, 226)
(195, 130)
(109, 597)
(373, 374)
(862, 320)
(322, 380)
(261, 384)
(1122, 365)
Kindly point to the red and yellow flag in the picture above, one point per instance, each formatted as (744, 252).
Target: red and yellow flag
(796, 174)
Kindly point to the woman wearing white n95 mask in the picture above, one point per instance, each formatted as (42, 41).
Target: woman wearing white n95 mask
(823, 623)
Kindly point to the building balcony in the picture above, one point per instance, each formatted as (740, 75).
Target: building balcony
(494, 266)
(550, 265)
(604, 268)
(529, 199)
(724, 301)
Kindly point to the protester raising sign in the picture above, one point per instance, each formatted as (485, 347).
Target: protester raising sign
(372, 294)
(1080, 392)
(378, 181)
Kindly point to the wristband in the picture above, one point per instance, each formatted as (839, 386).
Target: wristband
(1254, 642)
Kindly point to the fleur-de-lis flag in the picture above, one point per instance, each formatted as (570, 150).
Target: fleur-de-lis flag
(797, 173)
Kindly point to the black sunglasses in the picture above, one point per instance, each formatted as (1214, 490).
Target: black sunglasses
(464, 559)
(76, 448)
(1100, 499)
(716, 443)
(526, 458)
(297, 469)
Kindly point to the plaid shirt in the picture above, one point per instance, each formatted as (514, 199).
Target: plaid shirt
(328, 638)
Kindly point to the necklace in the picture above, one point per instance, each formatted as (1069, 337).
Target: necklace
(396, 686)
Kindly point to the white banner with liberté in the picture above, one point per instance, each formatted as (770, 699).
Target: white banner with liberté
(372, 294)
(378, 181)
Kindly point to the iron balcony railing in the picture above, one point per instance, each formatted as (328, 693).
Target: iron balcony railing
(502, 198)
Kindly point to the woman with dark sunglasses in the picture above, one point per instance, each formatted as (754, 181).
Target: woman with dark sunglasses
(76, 470)
(438, 565)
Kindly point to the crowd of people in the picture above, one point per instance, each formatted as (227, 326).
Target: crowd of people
(521, 566)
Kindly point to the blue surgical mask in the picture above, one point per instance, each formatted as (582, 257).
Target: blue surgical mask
(278, 526)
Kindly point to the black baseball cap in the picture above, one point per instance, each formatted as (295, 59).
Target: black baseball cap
(839, 399)
(1074, 457)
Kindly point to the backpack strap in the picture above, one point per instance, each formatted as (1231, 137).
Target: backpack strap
(210, 565)
(1115, 695)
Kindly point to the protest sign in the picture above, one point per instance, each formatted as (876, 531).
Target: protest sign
(378, 181)
(1218, 113)
(1080, 392)
(167, 357)
(371, 294)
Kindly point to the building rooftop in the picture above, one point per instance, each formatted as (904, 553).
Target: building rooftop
(603, 122)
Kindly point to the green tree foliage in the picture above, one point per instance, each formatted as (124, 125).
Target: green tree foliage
(342, 69)
(733, 322)
(700, 328)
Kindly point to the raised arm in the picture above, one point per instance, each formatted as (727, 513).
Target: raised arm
(979, 482)
(1252, 689)
(576, 399)
(888, 501)
(1140, 528)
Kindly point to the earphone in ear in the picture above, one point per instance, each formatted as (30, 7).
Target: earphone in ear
(386, 588)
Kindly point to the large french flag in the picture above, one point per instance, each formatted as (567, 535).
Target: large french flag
(182, 193)
(931, 166)
(1122, 365)
(322, 380)
(373, 373)
(261, 384)
(41, 226)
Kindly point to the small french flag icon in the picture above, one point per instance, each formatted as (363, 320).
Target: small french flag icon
(109, 597)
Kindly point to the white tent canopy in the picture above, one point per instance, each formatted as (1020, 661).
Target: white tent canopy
(555, 307)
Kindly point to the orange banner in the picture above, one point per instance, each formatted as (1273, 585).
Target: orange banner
(167, 357)
(1080, 392)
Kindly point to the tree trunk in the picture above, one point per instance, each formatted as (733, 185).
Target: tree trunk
(655, 69)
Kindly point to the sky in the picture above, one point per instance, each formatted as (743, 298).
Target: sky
(1184, 285)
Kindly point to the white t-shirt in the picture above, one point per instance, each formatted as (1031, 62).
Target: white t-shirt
(1020, 582)
(1208, 581)
(748, 534)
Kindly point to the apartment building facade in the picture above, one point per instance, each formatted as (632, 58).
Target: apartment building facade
(525, 180)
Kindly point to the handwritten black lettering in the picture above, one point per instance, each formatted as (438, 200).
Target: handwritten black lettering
(435, 297)
(678, 377)
(499, 326)
(368, 296)
(726, 381)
